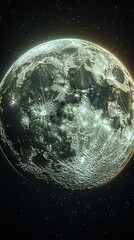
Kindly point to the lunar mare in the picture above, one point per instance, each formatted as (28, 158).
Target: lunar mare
(67, 114)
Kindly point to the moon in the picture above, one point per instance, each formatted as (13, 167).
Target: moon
(67, 114)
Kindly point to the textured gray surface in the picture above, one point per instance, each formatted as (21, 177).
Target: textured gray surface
(67, 113)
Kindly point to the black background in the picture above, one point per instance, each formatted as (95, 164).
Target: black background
(27, 212)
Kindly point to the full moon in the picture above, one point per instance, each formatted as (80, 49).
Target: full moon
(67, 114)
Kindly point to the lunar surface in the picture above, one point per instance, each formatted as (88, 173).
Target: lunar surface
(67, 114)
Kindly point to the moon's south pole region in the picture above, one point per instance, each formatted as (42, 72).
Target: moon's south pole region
(67, 114)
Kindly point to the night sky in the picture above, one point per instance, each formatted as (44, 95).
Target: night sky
(29, 212)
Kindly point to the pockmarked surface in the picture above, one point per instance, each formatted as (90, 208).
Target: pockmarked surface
(67, 114)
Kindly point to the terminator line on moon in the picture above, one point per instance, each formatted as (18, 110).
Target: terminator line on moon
(67, 114)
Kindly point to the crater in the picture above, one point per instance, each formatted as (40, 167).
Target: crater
(118, 73)
(40, 160)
